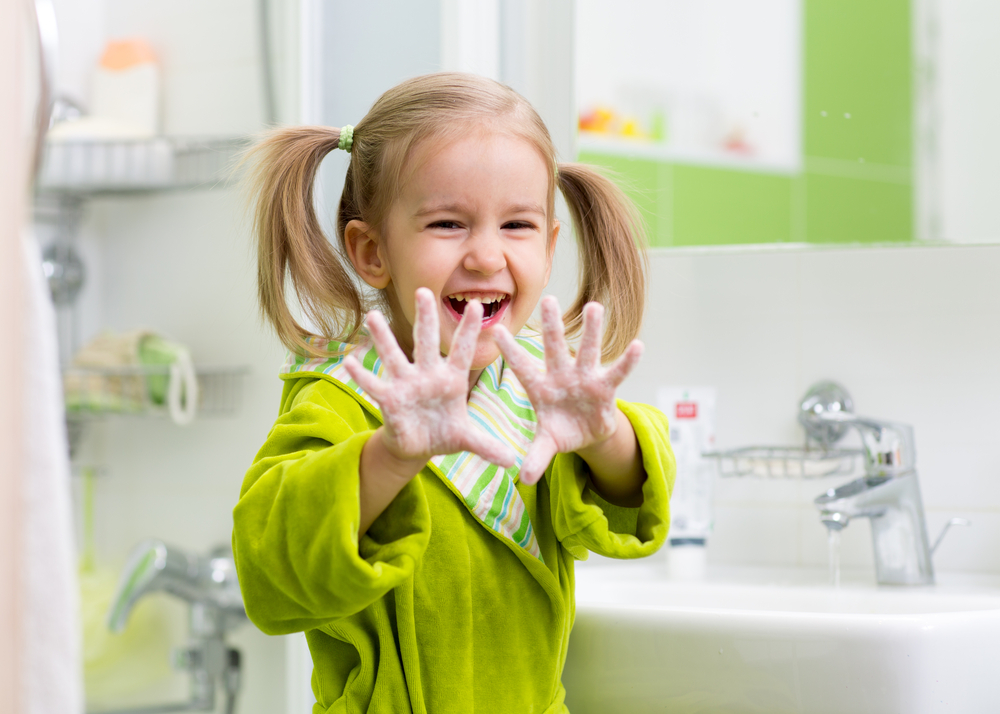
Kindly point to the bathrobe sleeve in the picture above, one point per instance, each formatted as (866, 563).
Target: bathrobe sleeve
(295, 528)
(583, 521)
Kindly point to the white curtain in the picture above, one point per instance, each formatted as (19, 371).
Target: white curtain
(49, 664)
(52, 666)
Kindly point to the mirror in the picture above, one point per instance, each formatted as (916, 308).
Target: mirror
(795, 121)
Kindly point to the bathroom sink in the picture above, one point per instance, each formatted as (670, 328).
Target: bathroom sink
(774, 642)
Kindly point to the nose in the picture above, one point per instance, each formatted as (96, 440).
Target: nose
(484, 253)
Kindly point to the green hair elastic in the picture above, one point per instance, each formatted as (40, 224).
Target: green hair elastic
(346, 138)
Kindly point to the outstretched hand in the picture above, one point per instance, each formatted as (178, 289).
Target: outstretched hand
(574, 400)
(424, 404)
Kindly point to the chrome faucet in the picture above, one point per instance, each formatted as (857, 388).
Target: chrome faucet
(888, 494)
(210, 586)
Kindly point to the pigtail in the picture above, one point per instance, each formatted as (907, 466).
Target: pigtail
(290, 242)
(613, 263)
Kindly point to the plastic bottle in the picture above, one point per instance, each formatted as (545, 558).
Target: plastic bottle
(691, 411)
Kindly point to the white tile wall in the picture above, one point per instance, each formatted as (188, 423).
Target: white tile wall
(180, 264)
(209, 54)
(912, 332)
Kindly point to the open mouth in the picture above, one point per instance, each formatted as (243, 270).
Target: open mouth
(494, 304)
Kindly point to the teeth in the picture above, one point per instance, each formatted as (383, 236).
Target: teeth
(485, 299)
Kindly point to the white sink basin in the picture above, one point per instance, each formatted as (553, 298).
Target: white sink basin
(776, 642)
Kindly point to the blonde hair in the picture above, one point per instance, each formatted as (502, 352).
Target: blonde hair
(291, 244)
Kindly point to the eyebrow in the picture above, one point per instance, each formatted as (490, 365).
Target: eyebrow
(458, 208)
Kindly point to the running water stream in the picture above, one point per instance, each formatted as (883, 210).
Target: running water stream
(833, 550)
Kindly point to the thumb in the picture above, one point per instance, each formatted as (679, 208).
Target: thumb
(540, 453)
(493, 450)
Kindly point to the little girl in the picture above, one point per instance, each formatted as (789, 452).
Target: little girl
(436, 469)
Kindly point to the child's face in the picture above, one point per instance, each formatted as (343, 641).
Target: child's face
(471, 222)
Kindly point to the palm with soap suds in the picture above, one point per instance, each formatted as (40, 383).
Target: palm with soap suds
(425, 404)
(574, 400)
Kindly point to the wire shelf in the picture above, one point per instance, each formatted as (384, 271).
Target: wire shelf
(131, 165)
(92, 393)
(786, 462)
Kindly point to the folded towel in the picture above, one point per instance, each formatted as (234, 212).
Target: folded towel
(129, 372)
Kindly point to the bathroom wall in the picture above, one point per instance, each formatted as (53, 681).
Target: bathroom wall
(180, 264)
(800, 68)
(968, 113)
(912, 332)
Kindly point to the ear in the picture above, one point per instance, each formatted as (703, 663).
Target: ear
(552, 249)
(365, 252)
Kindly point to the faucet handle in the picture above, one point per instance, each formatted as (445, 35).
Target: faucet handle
(951, 522)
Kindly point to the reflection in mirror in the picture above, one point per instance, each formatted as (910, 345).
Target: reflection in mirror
(795, 121)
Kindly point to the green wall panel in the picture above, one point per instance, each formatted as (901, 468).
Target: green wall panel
(846, 210)
(858, 168)
(720, 207)
(858, 63)
(690, 205)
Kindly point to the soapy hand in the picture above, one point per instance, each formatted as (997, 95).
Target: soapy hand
(574, 400)
(424, 404)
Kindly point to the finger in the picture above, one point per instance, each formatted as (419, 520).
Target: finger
(623, 366)
(426, 330)
(516, 357)
(540, 453)
(463, 343)
(590, 344)
(365, 379)
(385, 344)
(491, 449)
(554, 336)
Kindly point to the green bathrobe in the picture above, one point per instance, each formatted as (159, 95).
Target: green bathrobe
(431, 611)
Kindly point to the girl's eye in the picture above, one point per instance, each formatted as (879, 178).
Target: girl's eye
(447, 225)
(517, 225)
